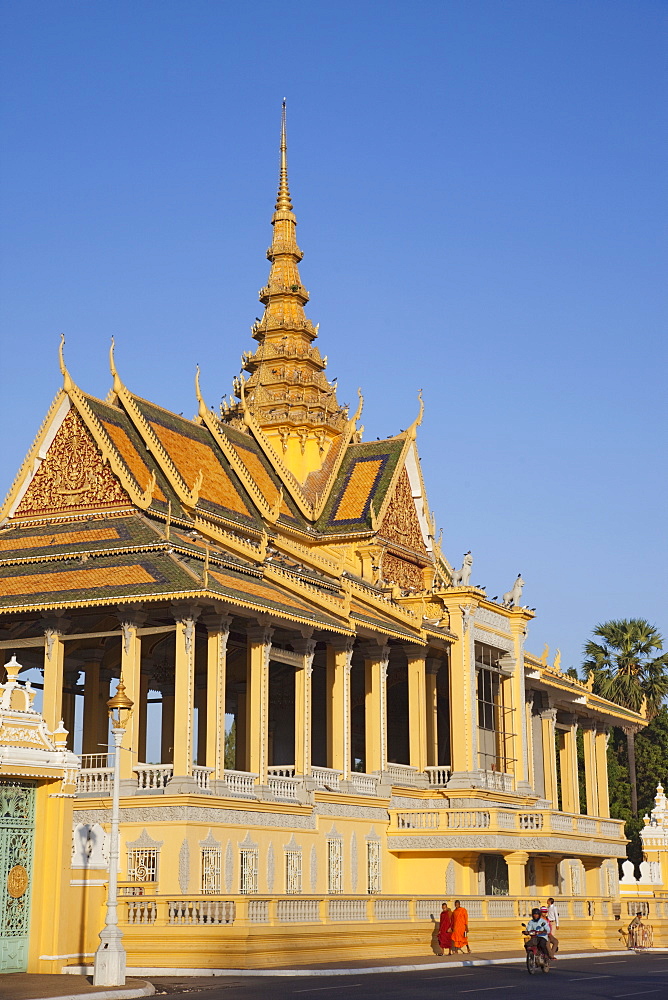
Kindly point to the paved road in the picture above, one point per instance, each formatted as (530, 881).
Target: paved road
(597, 978)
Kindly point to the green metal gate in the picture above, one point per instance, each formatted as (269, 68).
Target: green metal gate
(17, 833)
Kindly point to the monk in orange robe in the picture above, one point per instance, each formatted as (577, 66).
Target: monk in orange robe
(460, 927)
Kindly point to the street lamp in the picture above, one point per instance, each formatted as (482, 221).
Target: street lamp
(110, 958)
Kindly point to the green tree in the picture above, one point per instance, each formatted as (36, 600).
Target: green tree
(231, 747)
(625, 669)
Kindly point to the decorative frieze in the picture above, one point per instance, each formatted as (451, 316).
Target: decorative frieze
(493, 842)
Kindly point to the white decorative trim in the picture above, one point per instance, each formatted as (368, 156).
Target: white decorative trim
(144, 842)
(353, 861)
(486, 617)
(184, 866)
(492, 639)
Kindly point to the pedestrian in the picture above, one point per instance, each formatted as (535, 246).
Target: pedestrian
(445, 929)
(640, 935)
(552, 917)
(460, 927)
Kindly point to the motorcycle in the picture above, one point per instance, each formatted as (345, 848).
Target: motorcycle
(536, 959)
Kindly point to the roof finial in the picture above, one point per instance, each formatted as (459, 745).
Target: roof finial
(283, 202)
(201, 405)
(112, 367)
(67, 381)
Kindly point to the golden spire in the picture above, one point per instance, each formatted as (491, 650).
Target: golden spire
(288, 394)
(283, 202)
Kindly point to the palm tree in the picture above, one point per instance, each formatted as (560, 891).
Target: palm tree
(624, 670)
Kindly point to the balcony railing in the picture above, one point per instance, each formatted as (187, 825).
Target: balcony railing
(542, 821)
(226, 910)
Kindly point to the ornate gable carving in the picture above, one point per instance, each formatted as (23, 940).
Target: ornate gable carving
(400, 524)
(73, 475)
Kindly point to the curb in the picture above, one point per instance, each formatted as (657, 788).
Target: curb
(364, 971)
(145, 990)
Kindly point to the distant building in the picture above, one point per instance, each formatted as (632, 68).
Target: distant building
(393, 743)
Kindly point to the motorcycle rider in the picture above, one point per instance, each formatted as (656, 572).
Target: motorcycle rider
(539, 928)
(552, 917)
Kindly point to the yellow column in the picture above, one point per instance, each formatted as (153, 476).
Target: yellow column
(463, 708)
(339, 665)
(306, 647)
(518, 625)
(593, 880)
(218, 629)
(376, 659)
(433, 665)
(184, 694)
(591, 781)
(92, 736)
(568, 760)
(131, 674)
(167, 725)
(54, 656)
(417, 708)
(547, 719)
(257, 699)
(241, 748)
(601, 754)
(70, 678)
(517, 862)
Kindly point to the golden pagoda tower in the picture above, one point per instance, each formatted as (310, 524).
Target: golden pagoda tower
(288, 394)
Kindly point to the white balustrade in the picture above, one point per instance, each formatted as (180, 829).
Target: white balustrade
(283, 788)
(423, 820)
(347, 909)
(561, 823)
(240, 783)
(438, 776)
(586, 826)
(578, 908)
(390, 909)
(141, 911)
(153, 776)
(281, 771)
(367, 784)
(95, 781)
(298, 911)
(401, 774)
(611, 829)
(474, 908)
(497, 781)
(531, 821)
(525, 906)
(326, 777)
(202, 776)
(258, 911)
(500, 908)
(506, 820)
(468, 819)
(200, 911)
(428, 909)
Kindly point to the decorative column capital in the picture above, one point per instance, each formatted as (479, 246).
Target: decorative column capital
(587, 724)
(516, 858)
(341, 643)
(214, 621)
(374, 651)
(304, 646)
(415, 652)
(260, 633)
(549, 714)
(433, 664)
(184, 611)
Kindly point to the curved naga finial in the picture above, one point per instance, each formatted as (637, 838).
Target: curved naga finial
(67, 381)
(412, 430)
(360, 407)
(201, 405)
(118, 385)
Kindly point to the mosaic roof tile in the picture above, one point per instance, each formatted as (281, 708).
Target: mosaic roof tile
(78, 537)
(267, 595)
(363, 479)
(268, 483)
(101, 579)
(192, 449)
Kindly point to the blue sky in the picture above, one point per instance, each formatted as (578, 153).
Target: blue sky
(480, 194)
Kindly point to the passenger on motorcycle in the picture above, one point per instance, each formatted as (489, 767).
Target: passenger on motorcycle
(539, 928)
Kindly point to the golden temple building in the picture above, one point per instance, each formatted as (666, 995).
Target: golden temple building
(332, 728)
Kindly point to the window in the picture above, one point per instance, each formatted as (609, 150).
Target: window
(248, 867)
(335, 865)
(494, 735)
(372, 866)
(293, 871)
(143, 865)
(210, 870)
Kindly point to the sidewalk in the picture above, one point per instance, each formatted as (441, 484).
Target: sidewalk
(27, 986)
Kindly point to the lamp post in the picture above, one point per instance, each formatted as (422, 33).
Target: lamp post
(110, 958)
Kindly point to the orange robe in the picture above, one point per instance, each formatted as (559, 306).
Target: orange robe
(460, 921)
